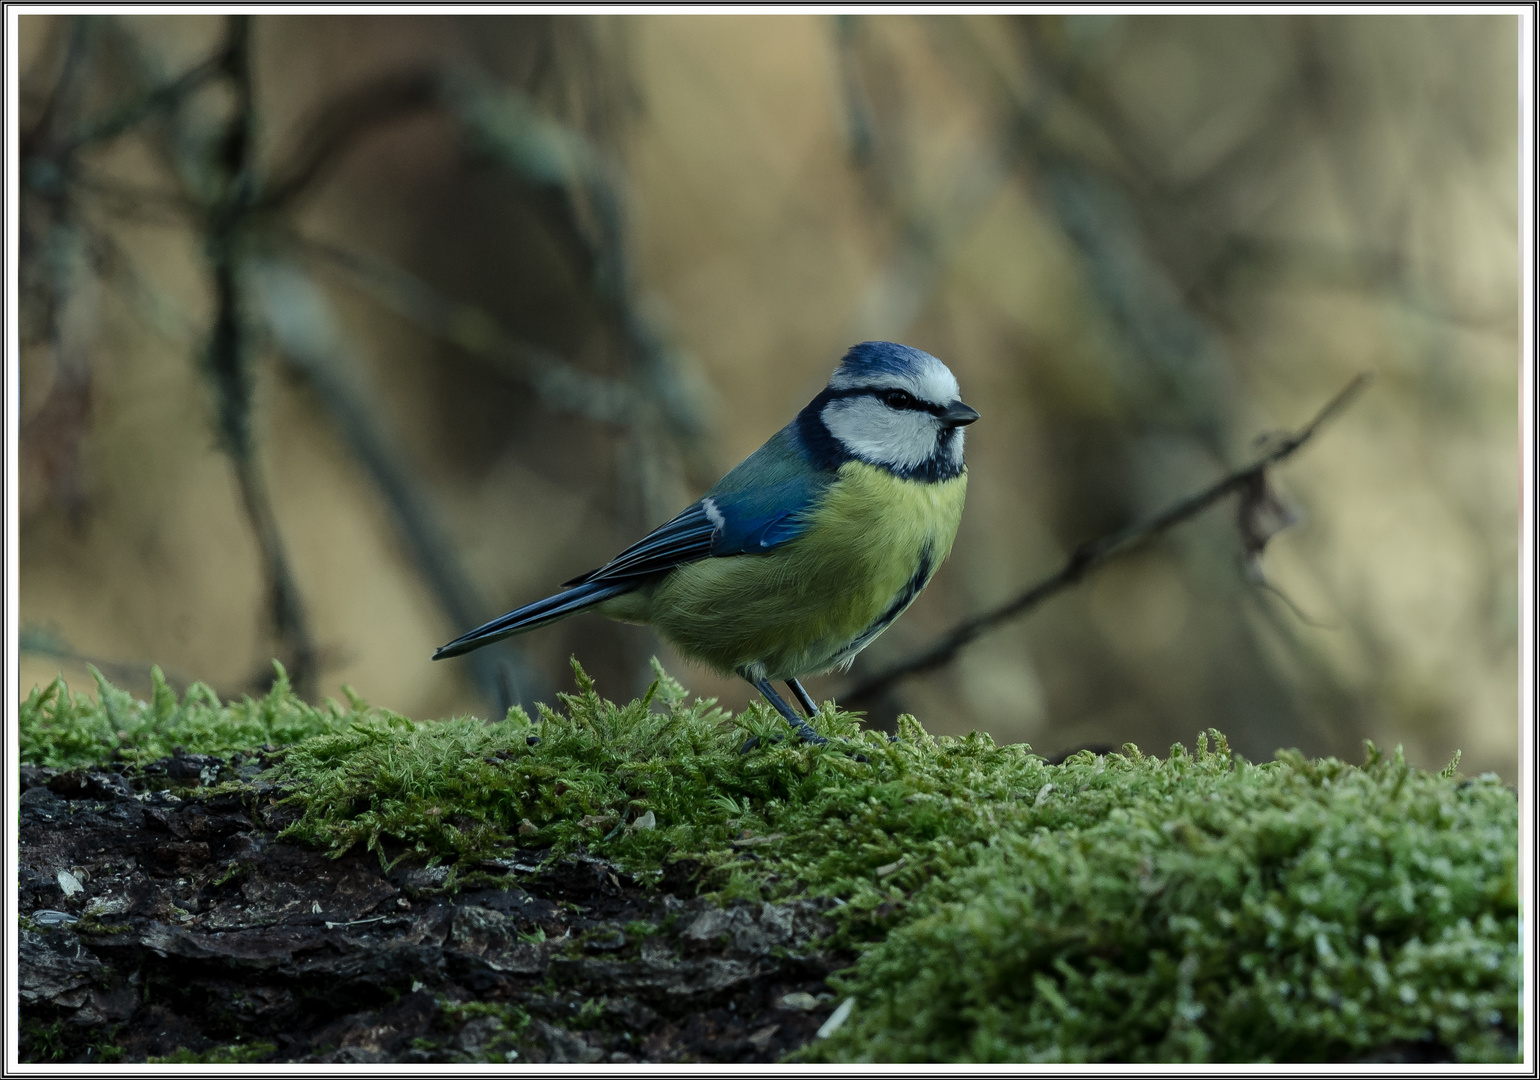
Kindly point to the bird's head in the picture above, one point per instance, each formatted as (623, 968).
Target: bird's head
(892, 406)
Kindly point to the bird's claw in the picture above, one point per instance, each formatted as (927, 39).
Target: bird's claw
(805, 730)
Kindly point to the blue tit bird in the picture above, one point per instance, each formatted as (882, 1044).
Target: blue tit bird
(801, 555)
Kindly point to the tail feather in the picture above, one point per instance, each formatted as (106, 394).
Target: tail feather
(539, 613)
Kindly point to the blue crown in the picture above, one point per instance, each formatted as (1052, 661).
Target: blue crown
(882, 358)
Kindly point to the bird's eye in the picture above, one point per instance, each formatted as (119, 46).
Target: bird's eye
(898, 399)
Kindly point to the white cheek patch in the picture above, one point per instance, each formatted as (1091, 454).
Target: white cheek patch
(898, 438)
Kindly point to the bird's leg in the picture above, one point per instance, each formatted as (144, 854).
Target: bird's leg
(803, 696)
(812, 710)
(801, 726)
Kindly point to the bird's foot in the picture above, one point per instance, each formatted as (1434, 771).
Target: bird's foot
(805, 730)
(753, 742)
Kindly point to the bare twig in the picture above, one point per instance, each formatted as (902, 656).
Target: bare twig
(58, 289)
(229, 359)
(663, 422)
(858, 108)
(591, 198)
(40, 137)
(1106, 197)
(344, 120)
(164, 97)
(136, 202)
(1091, 555)
(559, 383)
(238, 209)
(306, 333)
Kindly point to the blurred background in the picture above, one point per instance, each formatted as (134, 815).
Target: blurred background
(341, 334)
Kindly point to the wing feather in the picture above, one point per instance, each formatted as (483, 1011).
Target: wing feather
(684, 539)
(764, 502)
(750, 522)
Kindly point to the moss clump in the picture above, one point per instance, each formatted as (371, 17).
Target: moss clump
(1216, 911)
(501, 1029)
(1110, 908)
(57, 1041)
(464, 789)
(69, 731)
(233, 1054)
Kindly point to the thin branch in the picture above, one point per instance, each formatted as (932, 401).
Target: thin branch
(301, 324)
(63, 94)
(229, 357)
(233, 205)
(156, 310)
(559, 384)
(342, 121)
(588, 195)
(164, 97)
(136, 202)
(859, 134)
(1091, 555)
(665, 427)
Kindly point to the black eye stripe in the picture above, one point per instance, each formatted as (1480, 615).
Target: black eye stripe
(914, 404)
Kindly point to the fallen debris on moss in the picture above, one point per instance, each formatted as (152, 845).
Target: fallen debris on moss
(1114, 907)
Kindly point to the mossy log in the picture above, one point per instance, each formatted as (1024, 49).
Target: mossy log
(661, 881)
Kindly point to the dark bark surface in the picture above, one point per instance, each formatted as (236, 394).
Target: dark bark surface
(157, 922)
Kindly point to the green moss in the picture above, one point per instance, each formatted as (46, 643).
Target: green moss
(459, 789)
(500, 1042)
(512, 1017)
(68, 731)
(233, 1054)
(1202, 909)
(1109, 908)
(58, 1041)
(55, 1040)
(588, 1016)
(42, 1041)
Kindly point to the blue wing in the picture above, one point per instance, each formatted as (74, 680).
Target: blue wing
(763, 503)
(749, 522)
(684, 539)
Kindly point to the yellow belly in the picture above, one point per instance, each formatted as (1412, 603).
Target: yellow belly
(811, 604)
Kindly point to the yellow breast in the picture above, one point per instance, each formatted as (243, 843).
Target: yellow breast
(811, 604)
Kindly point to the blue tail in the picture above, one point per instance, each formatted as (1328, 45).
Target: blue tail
(537, 614)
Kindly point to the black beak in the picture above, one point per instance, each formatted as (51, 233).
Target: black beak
(959, 415)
